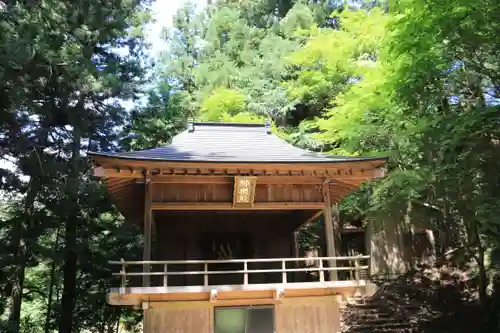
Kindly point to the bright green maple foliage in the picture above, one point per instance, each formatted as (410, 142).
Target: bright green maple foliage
(430, 102)
(221, 103)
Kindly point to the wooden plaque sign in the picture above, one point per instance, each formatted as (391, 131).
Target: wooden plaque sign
(244, 191)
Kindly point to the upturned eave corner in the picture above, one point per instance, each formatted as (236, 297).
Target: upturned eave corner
(98, 171)
(379, 173)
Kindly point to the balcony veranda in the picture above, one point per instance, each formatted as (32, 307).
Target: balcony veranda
(244, 281)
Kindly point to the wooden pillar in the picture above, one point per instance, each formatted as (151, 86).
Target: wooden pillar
(146, 254)
(330, 230)
(154, 238)
(296, 245)
(296, 254)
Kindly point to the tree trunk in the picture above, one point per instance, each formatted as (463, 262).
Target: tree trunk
(104, 320)
(20, 229)
(18, 280)
(71, 226)
(482, 280)
(51, 283)
(118, 320)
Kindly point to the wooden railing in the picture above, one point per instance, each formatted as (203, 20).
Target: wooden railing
(324, 269)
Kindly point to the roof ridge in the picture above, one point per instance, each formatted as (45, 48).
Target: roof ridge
(226, 124)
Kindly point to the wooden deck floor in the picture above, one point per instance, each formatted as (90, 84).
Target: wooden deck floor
(238, 294)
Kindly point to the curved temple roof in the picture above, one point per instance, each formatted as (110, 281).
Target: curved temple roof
(231, 143)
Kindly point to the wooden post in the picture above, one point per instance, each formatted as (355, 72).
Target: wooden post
(123, 272)
(245, 276)
(205, 275)
(337, 230)
(283, 267)
(165, 277)
(296, 245)
(356, 267)
(146, 255)
(321, 271)
(329, 230)
(154, 237)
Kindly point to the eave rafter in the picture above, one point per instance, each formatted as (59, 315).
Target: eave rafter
(125, 179)
(117, 168)
(350, 175)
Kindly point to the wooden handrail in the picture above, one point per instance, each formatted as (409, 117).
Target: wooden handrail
(245, 272)
(248, 271)
(234, 261)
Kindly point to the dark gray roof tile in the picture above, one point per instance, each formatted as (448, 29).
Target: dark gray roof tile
(231, 143)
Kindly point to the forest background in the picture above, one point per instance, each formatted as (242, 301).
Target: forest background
(416, 81)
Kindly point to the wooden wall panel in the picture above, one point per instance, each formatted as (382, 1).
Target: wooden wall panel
(258, 222)
(192, 193)
(172, 320)
(170, 247)
(385, 241)
(224, 193)
(297, 315)
(308, 315)
(130, 201)
(180, 236)
(288, 193)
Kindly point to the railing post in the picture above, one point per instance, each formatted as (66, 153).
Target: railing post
(283, 267)
(205, 275)
(245, 275)
(124, 274)
(356, 269)
(368, 272)
(165, 276)
(321, 271)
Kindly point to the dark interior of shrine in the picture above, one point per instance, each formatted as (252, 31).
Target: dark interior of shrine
(225, 235)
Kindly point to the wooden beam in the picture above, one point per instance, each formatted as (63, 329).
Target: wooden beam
(311, 172)
(146, 255)
(229, 206)
(313, 217)
(118, 187)
(334, 166)
(221, 179)
(117, 173)
(238, 293)
(117, 182)
(205, 304)
(329, 230)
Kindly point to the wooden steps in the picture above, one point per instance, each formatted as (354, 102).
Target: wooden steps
(378, 315)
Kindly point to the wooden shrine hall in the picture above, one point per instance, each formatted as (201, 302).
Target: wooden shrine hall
(219, 208)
